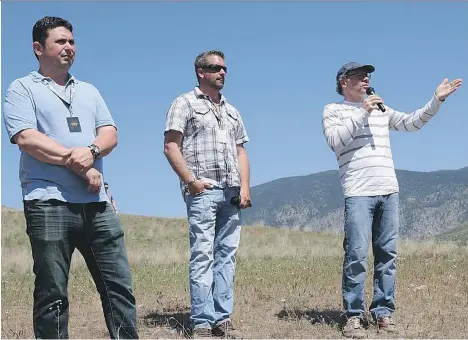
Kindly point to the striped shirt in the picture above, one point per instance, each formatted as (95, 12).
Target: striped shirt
(361, 143)
(211, 134)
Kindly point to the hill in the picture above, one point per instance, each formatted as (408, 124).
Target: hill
(431, 203)
(458, 235)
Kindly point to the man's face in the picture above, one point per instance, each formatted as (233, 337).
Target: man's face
(356, 82)
(59, 49)
(213, 73)
(106, 187)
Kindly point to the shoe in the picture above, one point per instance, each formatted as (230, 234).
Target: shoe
(202, 333)
(354, 328)
(227, 330)
(385, 324)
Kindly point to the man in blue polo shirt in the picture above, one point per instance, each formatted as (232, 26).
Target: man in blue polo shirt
(63, 129)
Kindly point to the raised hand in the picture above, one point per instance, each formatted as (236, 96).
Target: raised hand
(370, 103)
(446, 88)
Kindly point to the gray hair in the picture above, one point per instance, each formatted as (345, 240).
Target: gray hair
(201, 62)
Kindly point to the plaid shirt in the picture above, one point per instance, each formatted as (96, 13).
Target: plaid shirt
(210, 137)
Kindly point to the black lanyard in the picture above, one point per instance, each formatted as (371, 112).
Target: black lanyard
(64, 100)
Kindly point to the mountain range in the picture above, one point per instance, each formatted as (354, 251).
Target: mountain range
(431, 203)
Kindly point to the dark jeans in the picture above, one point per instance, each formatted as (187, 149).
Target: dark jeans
(55, 229)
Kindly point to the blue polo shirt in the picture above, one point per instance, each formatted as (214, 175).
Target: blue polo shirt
(31, 104)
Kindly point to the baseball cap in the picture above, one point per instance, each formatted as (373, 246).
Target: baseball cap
(353, 66)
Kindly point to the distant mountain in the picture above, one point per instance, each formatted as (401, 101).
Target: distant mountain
(431, 203)
(458, 235)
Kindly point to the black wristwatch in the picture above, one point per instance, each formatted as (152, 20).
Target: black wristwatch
(95, 151)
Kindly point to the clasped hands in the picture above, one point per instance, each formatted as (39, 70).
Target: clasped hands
(80, 160)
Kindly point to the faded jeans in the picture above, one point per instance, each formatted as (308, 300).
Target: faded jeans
(55, 229)
(214, 227)
(366, 216)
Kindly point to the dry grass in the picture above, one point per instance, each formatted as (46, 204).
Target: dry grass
(287, 285)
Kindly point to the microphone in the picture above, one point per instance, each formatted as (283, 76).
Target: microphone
(370, 91)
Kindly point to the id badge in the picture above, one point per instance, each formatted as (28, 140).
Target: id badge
(73, 124)
(221, 136)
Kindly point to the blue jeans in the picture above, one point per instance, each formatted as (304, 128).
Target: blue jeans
(214, 227)
(366, 216)
(55, 229)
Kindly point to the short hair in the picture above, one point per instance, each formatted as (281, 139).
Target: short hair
(201, 62)
(105, 183)
(339, 87)
(41, 28)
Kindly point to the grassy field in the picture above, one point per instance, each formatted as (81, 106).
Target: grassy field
(287, 285)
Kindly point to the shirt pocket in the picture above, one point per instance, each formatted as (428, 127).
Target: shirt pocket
(202, 118)
(232, 124)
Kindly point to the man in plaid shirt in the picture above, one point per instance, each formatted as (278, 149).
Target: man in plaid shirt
(204, 138)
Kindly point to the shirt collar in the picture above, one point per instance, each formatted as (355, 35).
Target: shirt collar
(37, 77)
(200, 95)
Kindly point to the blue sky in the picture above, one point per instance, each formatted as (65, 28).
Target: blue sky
(282, 59)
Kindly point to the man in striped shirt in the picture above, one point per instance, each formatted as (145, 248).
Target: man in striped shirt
(358, 132)
(204, 143)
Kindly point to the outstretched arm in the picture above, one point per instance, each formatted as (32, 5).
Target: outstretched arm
(414, 121)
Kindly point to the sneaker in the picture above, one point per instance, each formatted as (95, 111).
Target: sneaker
(201, 333)
(227, 330)
(353, 328)
(385, 324)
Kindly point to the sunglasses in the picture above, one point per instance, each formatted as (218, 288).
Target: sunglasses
(359, 75)
(215, 68)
